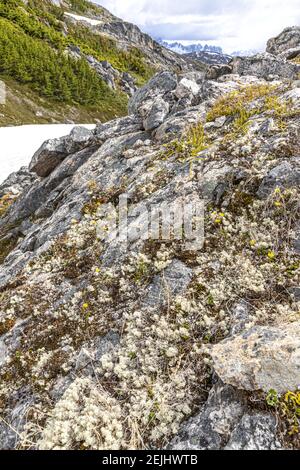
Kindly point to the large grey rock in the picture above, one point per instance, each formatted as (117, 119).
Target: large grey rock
(292, 97)
(255, 432)
(216, 71)
(160, 84)
(187, 87)
(290, 54)
(289, 38)
(261, 358)
(212, 427)
(284, 175)
(118, 127)
(225, 423)
(214, 180)
(157, 114)
(265, 66)
(175, 125)
(54, 151)
(17, 182)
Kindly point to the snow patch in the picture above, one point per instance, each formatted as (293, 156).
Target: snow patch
(84, 18)
(19, 143)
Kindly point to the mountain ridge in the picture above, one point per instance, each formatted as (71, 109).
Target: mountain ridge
(116, 56)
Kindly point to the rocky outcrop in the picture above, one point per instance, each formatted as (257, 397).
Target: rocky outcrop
(128, 36)
(286, 44)
(255, 432)
(159, 85)
(54, 151)
(119, 331)
(266, 66)
(212, 427)
(262, 358)
(286, 174)
(216, 71)
(224, 423)
(18, 182)
(273, 64)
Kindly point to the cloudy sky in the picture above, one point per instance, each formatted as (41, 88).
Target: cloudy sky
(232, 24)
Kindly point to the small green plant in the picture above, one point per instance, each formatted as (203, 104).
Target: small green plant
(233, 104)
(189, 146)
(272, 103)
(141, 272)
(288, 406)
(196, 139)
(272, 398)
(240, 123)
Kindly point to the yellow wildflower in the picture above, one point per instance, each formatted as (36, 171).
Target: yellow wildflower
(271, 255)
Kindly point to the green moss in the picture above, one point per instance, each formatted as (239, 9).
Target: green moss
(288, 407)
(233, 104)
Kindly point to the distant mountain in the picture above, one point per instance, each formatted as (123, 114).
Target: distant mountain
(182, 49)
(209, 58)
(245, 53)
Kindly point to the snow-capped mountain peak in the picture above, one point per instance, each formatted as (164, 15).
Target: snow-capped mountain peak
(180, 48)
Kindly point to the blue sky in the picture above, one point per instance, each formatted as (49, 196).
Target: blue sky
(232, 24)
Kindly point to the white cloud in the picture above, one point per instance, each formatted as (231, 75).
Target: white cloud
(233, 24)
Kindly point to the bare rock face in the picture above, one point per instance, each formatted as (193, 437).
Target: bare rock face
(255, 432)
(261, 358)
(216, 71)
(159, 85)
(157, 114)
(54, 151)
(286, 44)
(17, 182)
(266, 66)
(174, 281)
(225, 423)
(212, 427)
(284, 175)
(186, 87)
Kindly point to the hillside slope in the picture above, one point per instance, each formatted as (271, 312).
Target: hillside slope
(160, 341)
(72, 60)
